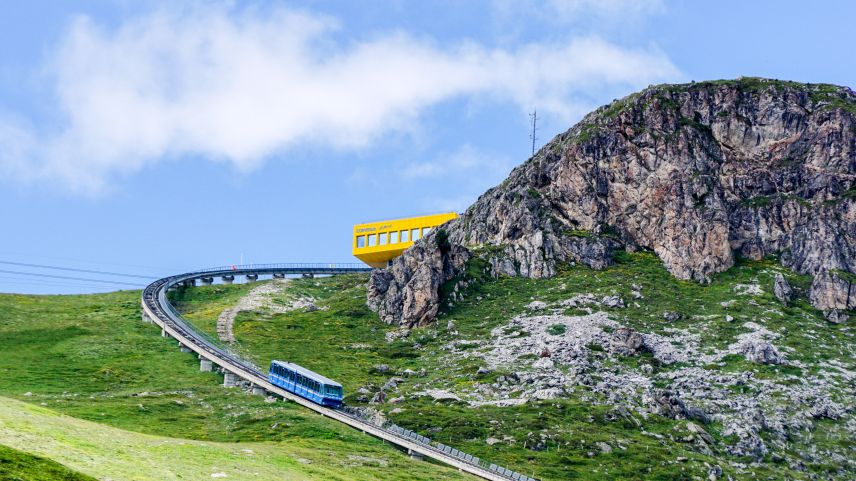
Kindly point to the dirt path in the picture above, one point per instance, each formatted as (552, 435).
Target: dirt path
(258, 298)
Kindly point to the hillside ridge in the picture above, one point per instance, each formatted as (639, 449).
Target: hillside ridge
(698, 173)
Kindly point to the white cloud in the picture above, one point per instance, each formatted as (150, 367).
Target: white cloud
(448, 204)
(470, 169)
(240, 85)
(462, 163)
(567, 9)
(582, 12)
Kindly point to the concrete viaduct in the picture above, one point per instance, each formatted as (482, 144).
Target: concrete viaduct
(157, 309)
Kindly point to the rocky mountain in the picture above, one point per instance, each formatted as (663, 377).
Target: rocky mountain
(698, 173)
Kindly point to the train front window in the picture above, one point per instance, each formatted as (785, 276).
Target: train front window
(361, 241)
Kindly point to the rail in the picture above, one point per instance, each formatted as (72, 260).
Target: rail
(157, 308)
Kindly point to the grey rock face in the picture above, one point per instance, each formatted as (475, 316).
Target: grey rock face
(695, 173)
(408, 293)
(782, 290)
(832, 290)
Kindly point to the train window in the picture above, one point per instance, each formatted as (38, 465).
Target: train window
(425, 231)
(384, 238)
(361, 241)
(372, 240)
(414, 234)
(393, 237)
(405, 236)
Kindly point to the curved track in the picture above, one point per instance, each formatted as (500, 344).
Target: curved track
(157, 309)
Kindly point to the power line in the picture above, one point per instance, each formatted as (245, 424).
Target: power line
(77, 260)
(69, 278)
(8, 280)
(71, 269)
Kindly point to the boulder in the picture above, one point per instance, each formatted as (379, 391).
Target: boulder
(536, 306)
(378, 398)
(759, 351)
(612, 301)
(626, 341)
(669, 404)
(836, 317)
(782, 289)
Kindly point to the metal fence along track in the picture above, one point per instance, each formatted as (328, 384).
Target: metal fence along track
(157, 309)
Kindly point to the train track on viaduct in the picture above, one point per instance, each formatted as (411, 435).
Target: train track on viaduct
(157, 309)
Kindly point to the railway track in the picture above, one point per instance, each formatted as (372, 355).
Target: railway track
(157, 309)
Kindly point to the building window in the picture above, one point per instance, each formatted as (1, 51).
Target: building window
(405, 236)
(425, 231)
(414, 234)
(372, 240)
(361, 241)
(384, 237)
(393, 237)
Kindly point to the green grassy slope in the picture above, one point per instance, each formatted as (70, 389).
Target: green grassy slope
(92, 358)
(347, 343)
(19, 466)
(111, 453)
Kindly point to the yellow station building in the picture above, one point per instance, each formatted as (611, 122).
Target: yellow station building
(377, 243)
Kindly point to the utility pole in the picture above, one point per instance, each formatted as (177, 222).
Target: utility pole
(534, 117)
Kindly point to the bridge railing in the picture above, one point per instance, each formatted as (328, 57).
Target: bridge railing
(412, 436)
(288, 265)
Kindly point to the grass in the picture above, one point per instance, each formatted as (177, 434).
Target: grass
(346, 342)
(110, 453)
(20, 466)
(92, 358)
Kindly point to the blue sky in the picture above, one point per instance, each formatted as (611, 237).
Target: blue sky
(145, 138)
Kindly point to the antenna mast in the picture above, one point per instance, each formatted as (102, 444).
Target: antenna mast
(534, 117)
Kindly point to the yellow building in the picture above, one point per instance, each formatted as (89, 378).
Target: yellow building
(376, 243)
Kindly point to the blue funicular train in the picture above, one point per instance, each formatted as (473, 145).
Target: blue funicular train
(305, 383)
